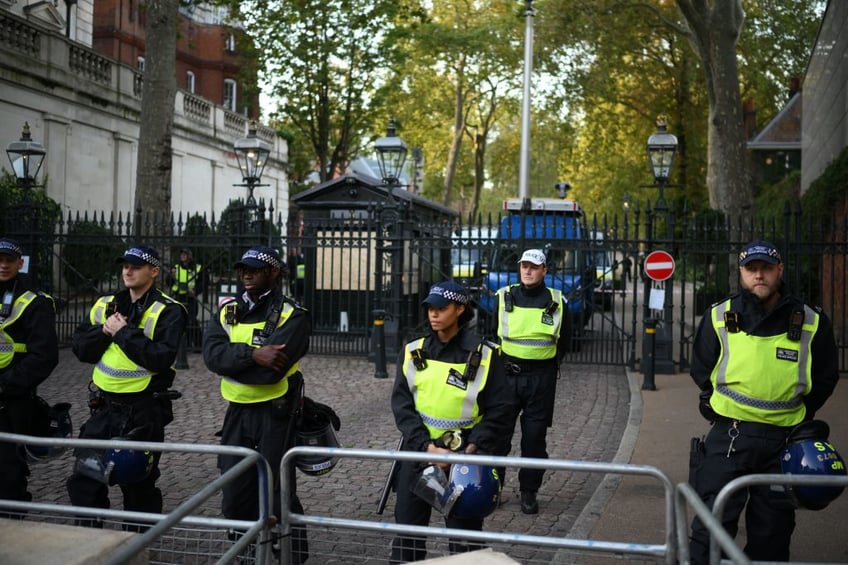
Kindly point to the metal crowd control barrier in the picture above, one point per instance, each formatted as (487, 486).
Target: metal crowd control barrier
(260, 528)
(712, 519)
(668, 550)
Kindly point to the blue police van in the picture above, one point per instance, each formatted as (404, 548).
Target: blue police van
(557, 227)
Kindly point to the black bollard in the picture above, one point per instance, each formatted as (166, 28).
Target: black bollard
(650, 350)
(380, 371)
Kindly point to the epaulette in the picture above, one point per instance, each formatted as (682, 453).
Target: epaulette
(294, 303)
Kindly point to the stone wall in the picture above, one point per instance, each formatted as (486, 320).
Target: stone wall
(85, 109)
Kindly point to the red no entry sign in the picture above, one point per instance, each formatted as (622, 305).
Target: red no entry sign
(659, 265)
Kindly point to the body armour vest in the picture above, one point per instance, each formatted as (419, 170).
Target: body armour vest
(530, 333)
(185, 280)
(8, 346)
(115, 372)
(445, 401)
(240, 332)
(762, 378)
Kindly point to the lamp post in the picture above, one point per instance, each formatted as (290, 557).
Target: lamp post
(657, 347)
(26, 157)
(391, 156)
(252, 156)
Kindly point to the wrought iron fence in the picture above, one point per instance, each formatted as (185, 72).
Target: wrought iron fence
(341, 258)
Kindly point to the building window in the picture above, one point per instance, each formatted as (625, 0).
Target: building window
(230, 43)
(140, 64)
(230, 94)
(190, 82)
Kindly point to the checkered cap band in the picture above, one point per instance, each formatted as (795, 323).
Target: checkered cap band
(263, 256)
(451, 295)
(145, 256)
(10, 248)
(760, 251)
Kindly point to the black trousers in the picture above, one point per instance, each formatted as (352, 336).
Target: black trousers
(769, 521)
(534, 393)
(15, 418)
(265, 428)
(118, 416)
(412, 509)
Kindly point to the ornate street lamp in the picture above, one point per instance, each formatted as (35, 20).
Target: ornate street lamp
(26, 157)
(657, 347)
(252, 155)
(662, 146)
(28, 220)
(391, 155)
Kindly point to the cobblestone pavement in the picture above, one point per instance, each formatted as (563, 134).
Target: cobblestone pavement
(591, 414)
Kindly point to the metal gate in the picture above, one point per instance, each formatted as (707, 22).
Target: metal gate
(383, 259)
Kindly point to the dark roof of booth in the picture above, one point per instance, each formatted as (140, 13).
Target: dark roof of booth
(358, 191)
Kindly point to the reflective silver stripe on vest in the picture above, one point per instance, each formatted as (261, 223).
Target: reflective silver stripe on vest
(21, 302)
(150, 323)
(803, 355)
(121, 373)
(531, 342)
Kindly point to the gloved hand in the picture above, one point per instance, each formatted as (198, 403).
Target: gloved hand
(704, 406)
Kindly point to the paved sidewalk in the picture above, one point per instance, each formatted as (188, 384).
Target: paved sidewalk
(592, 408)
(660, 427)
(601, 415)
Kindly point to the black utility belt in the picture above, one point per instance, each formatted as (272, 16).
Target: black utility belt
(755, 428)
(514, 366)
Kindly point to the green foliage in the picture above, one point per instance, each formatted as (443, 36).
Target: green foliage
(89, 255)
(322, 60)
(771, 200)
(827, 193)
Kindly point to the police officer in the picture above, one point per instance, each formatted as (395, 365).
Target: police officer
(187, 276)
(255, 344)
(449, 383)
(131, 338)
(765, 362)
(529, 323)
(28, 354)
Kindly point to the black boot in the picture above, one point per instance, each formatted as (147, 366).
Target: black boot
(529, 505)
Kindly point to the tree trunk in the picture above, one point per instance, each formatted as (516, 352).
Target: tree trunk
(153, 175)
(713, 33)
(458, 132)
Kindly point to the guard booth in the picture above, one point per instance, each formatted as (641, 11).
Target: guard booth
(368, 249)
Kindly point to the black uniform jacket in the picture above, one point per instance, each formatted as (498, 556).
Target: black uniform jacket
(536, 297)
(37, 329)
(753, 321)
(156, 355)
(234, 360)
(494, 401)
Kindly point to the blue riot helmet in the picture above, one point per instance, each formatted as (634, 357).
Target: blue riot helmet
(59, 426)
(808, 452)
(127, 466)
(479, 490)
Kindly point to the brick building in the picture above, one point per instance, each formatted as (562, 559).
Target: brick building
(212, 57)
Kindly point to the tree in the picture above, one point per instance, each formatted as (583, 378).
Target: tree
(713, 32)
(323, 61)
(467, 58)
(153, 173)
